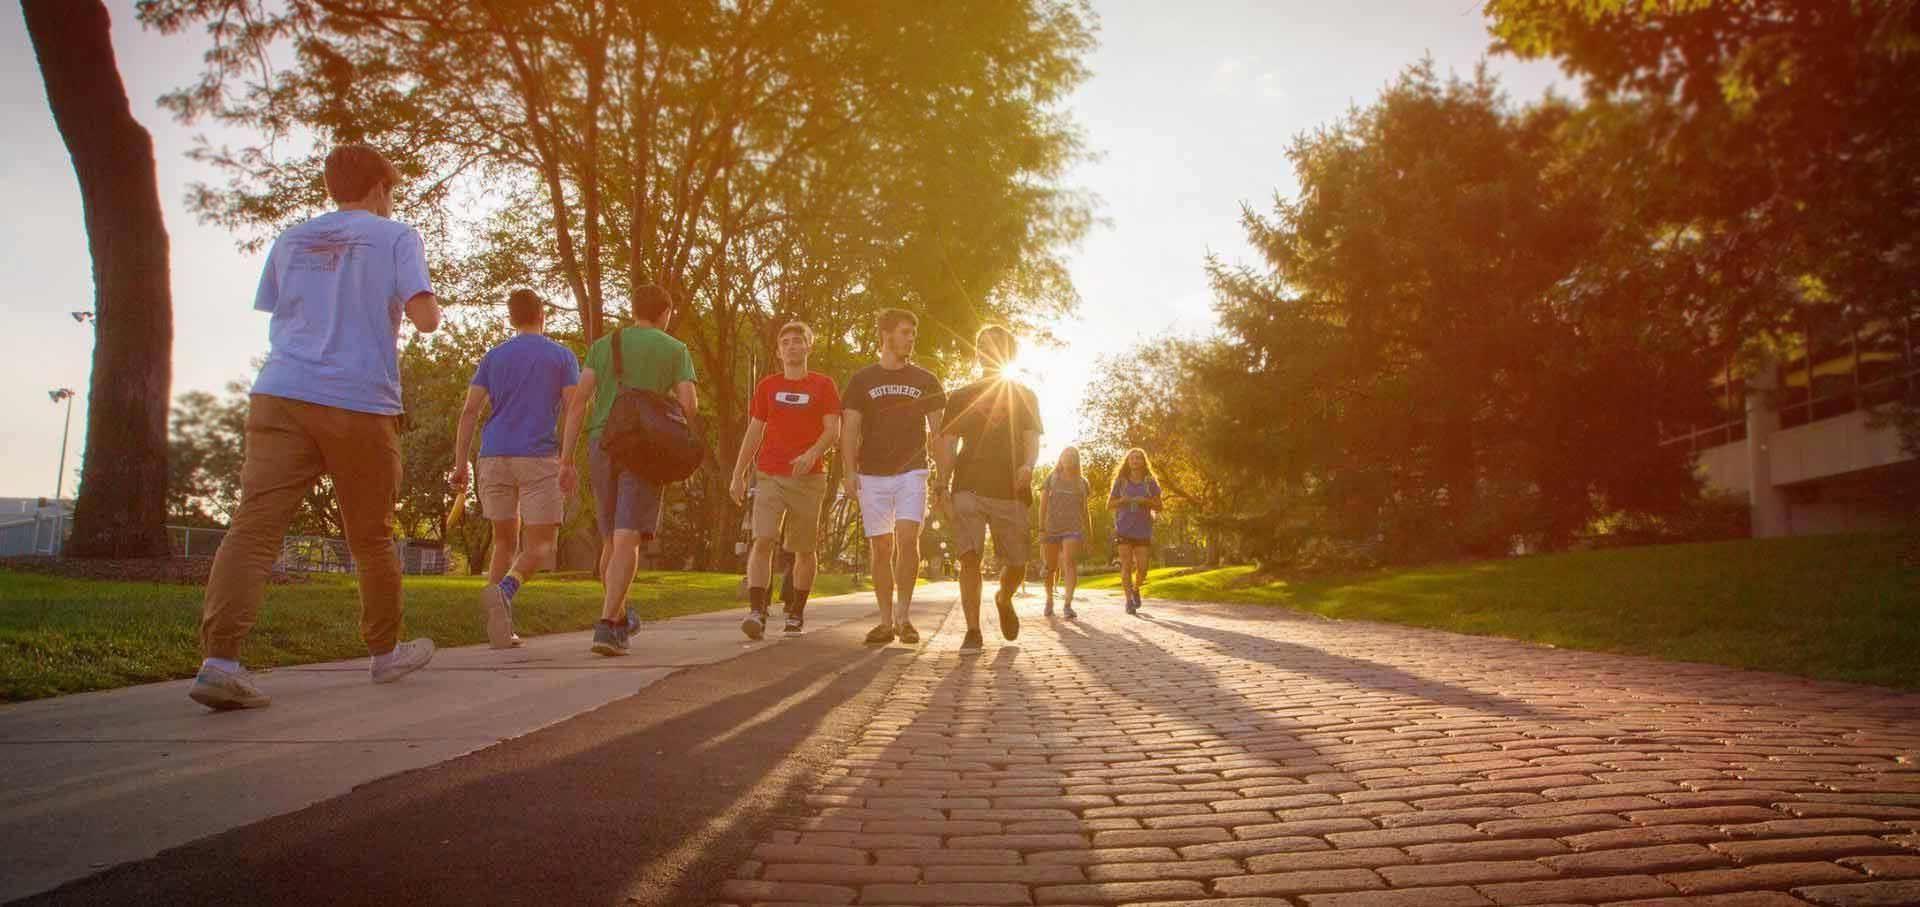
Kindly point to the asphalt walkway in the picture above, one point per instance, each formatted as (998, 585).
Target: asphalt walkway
(99, 779)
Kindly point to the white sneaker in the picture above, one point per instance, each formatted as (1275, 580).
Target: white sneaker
(224, 690)
(407, 658)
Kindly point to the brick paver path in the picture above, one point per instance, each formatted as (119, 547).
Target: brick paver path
(1239, 756)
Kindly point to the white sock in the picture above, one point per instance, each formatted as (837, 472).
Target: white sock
(225, 664)
(381, 661)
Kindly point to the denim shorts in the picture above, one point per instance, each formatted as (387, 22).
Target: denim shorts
(622, 500)
(1055, 538)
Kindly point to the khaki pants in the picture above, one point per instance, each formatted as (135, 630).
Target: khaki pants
(798, 499)
(290, 445)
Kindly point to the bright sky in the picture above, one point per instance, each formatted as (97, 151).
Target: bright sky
(1191, 111)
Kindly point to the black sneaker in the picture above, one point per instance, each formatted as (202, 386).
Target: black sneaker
(972, 643)
(1009, 621)
(908, 634)
(755, 624)
(795, 623)
(1070, 614)
(880, 635)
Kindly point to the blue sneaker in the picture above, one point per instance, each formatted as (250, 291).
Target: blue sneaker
(633, 623)
(609, 639)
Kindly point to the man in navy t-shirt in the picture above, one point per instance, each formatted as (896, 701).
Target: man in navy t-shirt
(529, 381)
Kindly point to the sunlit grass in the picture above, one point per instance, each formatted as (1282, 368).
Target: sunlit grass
(1831, 607)
(67, 636)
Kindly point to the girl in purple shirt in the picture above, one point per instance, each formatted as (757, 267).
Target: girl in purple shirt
(1135, 496)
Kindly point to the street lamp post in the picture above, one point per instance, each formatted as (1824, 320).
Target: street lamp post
(57, 395)
(60, 478)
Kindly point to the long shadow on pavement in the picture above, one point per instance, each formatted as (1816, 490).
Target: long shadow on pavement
(653, 799)
(1359, 672)
(1199, 698)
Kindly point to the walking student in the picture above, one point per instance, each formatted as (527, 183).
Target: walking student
(890, 410)
(992, 438)
(794, 417)
(327, 402)
(628, 510)
(528, 381)
(1063, 525)
(1135, 497)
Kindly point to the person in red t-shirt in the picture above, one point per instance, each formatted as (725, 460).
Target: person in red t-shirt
(795, 419)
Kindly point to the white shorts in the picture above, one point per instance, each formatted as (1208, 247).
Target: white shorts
(885, 500)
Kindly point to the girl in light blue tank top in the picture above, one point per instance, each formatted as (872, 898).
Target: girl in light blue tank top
(1135, 497)
(1063, 525)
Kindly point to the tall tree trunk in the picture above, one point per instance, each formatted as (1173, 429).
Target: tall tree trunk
(548, 156)
(596, 55)
(123, 481)
(563, 238)
(640, 230)
(1460, 474)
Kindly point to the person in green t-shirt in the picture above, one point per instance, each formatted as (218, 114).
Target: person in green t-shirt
(628, 505)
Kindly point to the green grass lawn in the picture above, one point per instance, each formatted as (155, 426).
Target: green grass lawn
(1831, 607)
(68, 636)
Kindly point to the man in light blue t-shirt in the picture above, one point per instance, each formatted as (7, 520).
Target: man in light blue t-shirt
(327, 402)
(528, 381)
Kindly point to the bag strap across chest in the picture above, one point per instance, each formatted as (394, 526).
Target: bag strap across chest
(619, 371)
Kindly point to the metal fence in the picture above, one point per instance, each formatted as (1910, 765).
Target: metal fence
(313, 554)
(34, 534)
(194, 541)
(45, 534)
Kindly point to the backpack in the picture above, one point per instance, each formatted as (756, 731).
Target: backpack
(647, 433)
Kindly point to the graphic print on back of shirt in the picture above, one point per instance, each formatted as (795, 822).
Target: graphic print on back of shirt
(325, 251)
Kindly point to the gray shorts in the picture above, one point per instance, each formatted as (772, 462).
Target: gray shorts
(973, 515)
(622, 500)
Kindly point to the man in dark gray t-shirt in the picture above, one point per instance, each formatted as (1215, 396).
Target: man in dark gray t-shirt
(992, 436)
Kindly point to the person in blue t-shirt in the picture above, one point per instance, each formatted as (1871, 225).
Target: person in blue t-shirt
(327, 402)
(1135, 496)
(528, 381)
